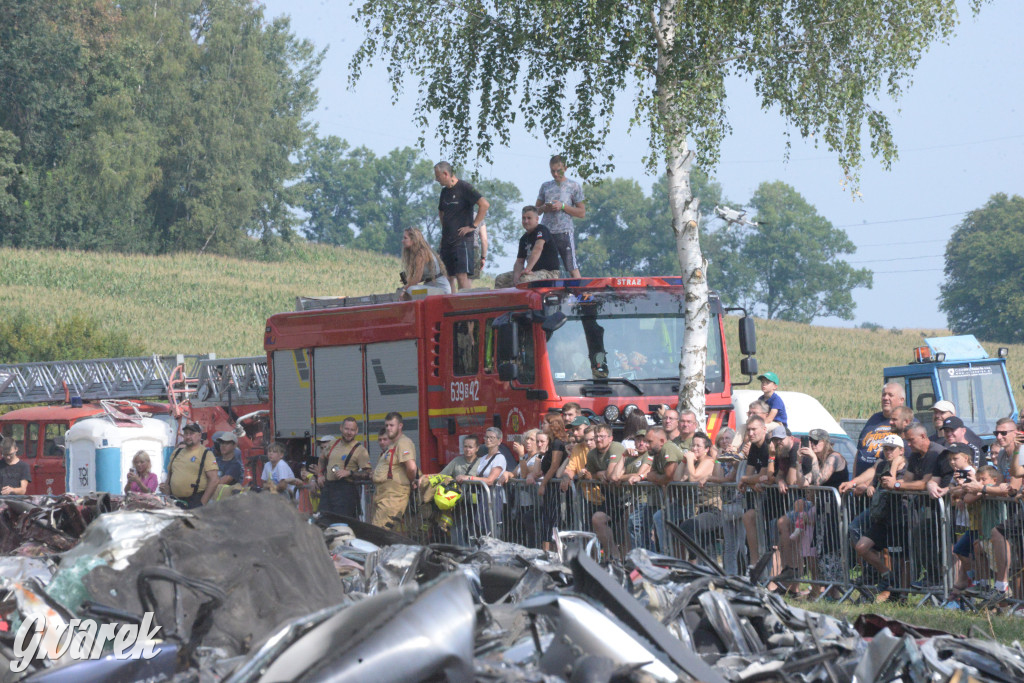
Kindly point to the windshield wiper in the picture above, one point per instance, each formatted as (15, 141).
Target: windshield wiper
(628, 382)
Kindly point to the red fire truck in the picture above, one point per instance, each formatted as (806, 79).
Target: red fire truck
(456, 364)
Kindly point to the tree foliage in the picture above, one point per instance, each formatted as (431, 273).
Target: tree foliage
(984, 289)
(558, 67)
(624, 231)
(151, 127)
(26, 338)
(789, 265)
(357, 198)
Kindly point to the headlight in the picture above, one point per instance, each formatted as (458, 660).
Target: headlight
(628, 410)
(611, 413)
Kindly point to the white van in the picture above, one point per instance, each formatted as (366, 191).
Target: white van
(805, 413)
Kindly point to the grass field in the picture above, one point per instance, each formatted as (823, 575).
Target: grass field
(203, 304)
(1004, 628)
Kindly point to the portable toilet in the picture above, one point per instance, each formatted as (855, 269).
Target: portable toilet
(99, 451)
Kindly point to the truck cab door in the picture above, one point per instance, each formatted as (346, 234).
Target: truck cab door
(50, 470)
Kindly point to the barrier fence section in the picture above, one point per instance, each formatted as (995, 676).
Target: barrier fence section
(840, 544)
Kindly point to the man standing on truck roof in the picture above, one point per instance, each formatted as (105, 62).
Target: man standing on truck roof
(561, 200)
(393, 476)
(192, 472)
(869, 443)
(458, 224)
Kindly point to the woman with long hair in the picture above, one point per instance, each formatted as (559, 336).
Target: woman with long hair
(421, 265)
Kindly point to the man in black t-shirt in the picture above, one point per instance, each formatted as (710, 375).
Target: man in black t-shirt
(458, 224)
(537, 258)
(757, 451)
(14, 472)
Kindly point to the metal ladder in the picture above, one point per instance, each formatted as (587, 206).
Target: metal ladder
(205, 379)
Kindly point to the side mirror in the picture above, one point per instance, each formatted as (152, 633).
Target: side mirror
(508, 372)
(748, 339)
(553, 322)
(748, 366)
(507, 341)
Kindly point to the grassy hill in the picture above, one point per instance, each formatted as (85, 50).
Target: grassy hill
(202, 304)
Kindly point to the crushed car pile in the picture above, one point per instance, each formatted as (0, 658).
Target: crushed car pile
(249, 590)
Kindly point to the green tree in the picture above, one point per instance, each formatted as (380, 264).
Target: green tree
(356, 198)
(27, 338)
(624, 231)
(791, 261)
(152, 126)
(558, 67)
(984, 289)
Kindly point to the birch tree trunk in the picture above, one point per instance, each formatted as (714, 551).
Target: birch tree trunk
(685, 218)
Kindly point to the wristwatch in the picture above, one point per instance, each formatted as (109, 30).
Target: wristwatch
(898, 484)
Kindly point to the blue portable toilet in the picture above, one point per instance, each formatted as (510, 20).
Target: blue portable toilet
(99, 452)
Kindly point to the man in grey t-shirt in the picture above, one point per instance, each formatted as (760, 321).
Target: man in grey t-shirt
(559, 201)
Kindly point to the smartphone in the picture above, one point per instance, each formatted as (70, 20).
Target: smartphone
(805, 441)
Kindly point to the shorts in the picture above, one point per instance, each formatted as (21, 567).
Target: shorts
(965, 544)
(565, 244)
(458, 257)
(887, 535)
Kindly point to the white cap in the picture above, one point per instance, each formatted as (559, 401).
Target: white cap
(945, 407)
(892, 441)
(325, 439)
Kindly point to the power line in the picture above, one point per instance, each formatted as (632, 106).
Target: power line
(901, 258)
(902, 220)
(918, 270)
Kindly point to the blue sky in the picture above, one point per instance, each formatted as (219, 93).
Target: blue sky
(958, 127)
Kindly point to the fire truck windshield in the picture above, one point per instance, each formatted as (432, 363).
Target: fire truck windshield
(631, 335)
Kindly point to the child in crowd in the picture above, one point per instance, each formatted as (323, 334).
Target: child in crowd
(970, 550)
(776, 408)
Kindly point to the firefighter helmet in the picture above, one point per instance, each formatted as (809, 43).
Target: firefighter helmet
(447, 494)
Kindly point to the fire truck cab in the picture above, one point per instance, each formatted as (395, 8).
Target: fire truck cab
(453, 365)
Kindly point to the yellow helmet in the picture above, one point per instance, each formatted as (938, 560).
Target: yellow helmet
(447, 494)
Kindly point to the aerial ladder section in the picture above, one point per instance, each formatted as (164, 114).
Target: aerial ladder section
(203, 380)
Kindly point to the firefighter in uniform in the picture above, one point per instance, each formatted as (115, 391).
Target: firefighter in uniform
(393, 476)
(192, 472)
(344, 462)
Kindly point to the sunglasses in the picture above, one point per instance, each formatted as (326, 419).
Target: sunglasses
(815, 440)
(1004, 432)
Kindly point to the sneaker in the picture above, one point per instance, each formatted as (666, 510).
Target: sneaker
(798, 530)
(994, 597)
(884, 583)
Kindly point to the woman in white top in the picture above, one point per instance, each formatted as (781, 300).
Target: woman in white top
(421, 265)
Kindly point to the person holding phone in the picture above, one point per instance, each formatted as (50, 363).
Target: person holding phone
(141, 478)
(561, 200)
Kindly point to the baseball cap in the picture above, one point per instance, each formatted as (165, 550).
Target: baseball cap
(960, 448)
(818, 435)
(226, 436)
(580, 420)
(192, 427)
(325, 439)
(770, 376)
(953, 422)
(892, 441)
(778, 433)
(944, 406)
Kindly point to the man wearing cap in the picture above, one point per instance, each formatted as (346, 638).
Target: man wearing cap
(343, 462)
(885, 529)
(577, 456)
(776, 408)
(878, 426)
(192, 471)
(955, 431)
(229, 464)
(940, 411)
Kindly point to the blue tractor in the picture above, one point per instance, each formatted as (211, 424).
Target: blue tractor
(958, 369)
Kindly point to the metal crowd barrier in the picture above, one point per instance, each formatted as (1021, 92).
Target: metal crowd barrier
(812, 531)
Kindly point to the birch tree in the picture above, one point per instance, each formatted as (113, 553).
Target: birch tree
(559, 68)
